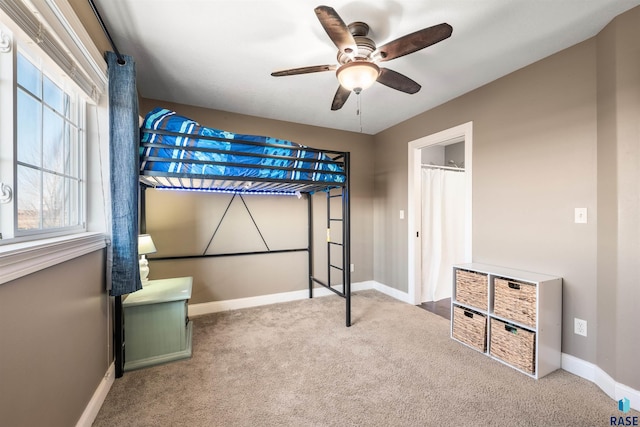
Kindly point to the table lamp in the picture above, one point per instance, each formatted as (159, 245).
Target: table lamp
(145, 246)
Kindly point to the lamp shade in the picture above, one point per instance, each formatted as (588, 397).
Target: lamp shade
(358, 75)
(145, 244)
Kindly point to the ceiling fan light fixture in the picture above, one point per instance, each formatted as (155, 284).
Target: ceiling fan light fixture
(358, 75)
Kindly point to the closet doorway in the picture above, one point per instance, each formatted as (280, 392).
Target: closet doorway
(439, 211)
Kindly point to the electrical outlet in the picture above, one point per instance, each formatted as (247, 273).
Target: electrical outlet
(353, 268)
(580, 327)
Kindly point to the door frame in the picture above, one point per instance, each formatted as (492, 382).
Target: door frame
(463, 132)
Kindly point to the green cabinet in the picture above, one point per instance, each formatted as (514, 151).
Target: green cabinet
(156, 323)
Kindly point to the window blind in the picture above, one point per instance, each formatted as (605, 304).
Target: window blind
(62, 45)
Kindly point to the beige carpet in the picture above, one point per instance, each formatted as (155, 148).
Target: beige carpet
(296, 364)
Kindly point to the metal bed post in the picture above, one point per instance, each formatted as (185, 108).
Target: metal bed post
(118, 336)
(143, 209)
(329, 238)
(346, 242)
(310, 241)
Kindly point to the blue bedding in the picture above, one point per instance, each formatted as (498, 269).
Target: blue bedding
(178, 146)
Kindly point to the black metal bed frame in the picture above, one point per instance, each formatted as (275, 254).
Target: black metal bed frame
(239, 185)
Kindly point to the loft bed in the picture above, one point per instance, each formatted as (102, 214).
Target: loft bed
(177, 153)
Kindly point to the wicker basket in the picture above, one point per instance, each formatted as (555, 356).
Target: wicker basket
(515, 301)
(470, 328)
(471, 289)
(513, 345)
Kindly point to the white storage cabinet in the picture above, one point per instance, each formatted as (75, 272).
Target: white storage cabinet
(513, 316)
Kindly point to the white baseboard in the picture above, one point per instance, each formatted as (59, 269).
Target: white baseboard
(235, 304)
(91, 411)
(392, 292)
(593, 373)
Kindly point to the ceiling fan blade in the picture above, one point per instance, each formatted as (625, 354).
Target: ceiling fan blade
(304, 70)
(336, 29)
(413, 42)
(397, 81)
(340, 98)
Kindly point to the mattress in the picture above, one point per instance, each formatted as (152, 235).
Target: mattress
(178, 147)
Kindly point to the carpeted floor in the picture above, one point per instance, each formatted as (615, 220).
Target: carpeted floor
(296, 364)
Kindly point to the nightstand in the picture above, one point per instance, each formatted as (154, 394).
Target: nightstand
(156, 323)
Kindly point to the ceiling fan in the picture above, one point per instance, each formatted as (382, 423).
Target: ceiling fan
(358, 56)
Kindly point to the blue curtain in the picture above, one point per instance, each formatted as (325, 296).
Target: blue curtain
(124, 137)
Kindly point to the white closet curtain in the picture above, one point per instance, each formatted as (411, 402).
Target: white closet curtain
(443, 211)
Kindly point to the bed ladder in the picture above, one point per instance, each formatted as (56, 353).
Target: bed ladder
(343, 264)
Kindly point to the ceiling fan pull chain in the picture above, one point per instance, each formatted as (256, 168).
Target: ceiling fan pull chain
(359, 111)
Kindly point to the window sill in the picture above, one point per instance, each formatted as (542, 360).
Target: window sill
(20, 259)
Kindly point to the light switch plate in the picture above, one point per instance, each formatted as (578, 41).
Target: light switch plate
(581, 215)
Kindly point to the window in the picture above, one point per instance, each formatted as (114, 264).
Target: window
(53, 138)
(49, 140)
(42, 151)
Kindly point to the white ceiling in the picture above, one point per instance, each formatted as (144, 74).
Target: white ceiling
(219, 54)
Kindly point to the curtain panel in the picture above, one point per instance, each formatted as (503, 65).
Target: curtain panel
(124, 137)
(443, 238)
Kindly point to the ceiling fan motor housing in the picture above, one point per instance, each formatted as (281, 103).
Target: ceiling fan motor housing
(366, 46)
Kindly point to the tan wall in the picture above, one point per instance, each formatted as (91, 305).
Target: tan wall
(183, 223)
(53, 346)
(536, 147)
(618, 296)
